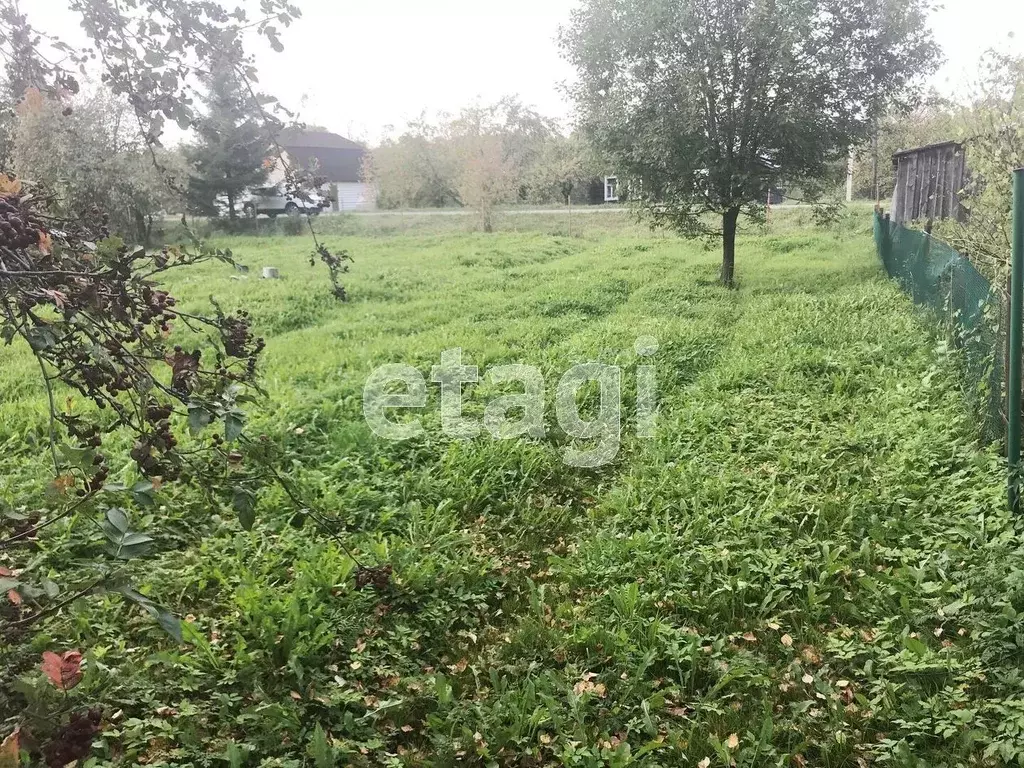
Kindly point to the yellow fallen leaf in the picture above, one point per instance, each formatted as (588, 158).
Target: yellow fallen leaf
(704, 763)
(45, 243)
(842, 683)
(786, 640)
(9, 187)
(9, 757)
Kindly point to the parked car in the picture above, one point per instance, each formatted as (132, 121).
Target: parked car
(275, 200)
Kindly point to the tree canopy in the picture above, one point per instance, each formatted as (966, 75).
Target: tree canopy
(704, 104)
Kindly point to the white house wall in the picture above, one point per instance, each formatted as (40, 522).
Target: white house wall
(355, 196)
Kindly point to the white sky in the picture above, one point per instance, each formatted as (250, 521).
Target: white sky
(357, 66)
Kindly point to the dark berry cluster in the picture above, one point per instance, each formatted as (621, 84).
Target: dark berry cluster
(152, 450)
(157, 309)
(239, 342)
(73, 742)
(184, 369)
(18, 228)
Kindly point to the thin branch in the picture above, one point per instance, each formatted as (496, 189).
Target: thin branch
(52, 609)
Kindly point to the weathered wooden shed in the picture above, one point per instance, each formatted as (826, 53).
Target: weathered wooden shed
(928, 182)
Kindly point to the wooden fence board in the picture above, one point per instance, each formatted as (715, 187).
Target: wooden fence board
(928, 182)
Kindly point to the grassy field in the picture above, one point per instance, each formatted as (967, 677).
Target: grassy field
(810, 564)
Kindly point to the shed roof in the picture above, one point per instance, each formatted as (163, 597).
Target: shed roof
(332, 156)
(927, 147)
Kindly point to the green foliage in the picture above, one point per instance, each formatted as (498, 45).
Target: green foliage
(811, 563)
(707, 104)
(992, 127)
(87, 152)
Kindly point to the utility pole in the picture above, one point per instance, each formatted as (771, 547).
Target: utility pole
(874, 163)
(849, 177)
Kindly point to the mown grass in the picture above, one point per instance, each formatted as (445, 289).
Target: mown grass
(810, 564)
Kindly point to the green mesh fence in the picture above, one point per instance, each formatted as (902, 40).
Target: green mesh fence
(964, 301)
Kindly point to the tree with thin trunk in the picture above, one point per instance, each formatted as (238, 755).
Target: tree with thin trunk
(706, 104)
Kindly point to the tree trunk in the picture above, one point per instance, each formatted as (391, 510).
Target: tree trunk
(729, 219)
(143, 229)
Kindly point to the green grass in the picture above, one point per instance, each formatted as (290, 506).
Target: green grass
(812, 554)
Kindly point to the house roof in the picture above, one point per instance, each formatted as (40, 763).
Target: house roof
(333, 156)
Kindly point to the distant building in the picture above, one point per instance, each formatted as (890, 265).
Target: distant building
(611, 189)
(337, 159)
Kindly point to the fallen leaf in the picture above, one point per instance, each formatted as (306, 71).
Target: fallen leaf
(406, 728)
(45, 243)
(296, 695)
(733, 741)
(9, 749)
(14, 597)
(63, 483)
(786, 640)
(773, 625)
(583, 686)
(64, 671)
(9, 187)
(704, 763)
(750, 637)
(808, 679)
(842, 683)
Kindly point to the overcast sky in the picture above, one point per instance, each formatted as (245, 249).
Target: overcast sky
(358, 66)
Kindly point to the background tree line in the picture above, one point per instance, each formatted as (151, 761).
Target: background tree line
(90, 152)
(483, 157)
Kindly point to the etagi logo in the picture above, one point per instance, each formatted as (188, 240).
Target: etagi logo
(511, 416)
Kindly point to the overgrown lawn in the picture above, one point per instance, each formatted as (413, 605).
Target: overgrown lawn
(810, 564)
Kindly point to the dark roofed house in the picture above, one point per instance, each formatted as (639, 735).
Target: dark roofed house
(334, 157)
